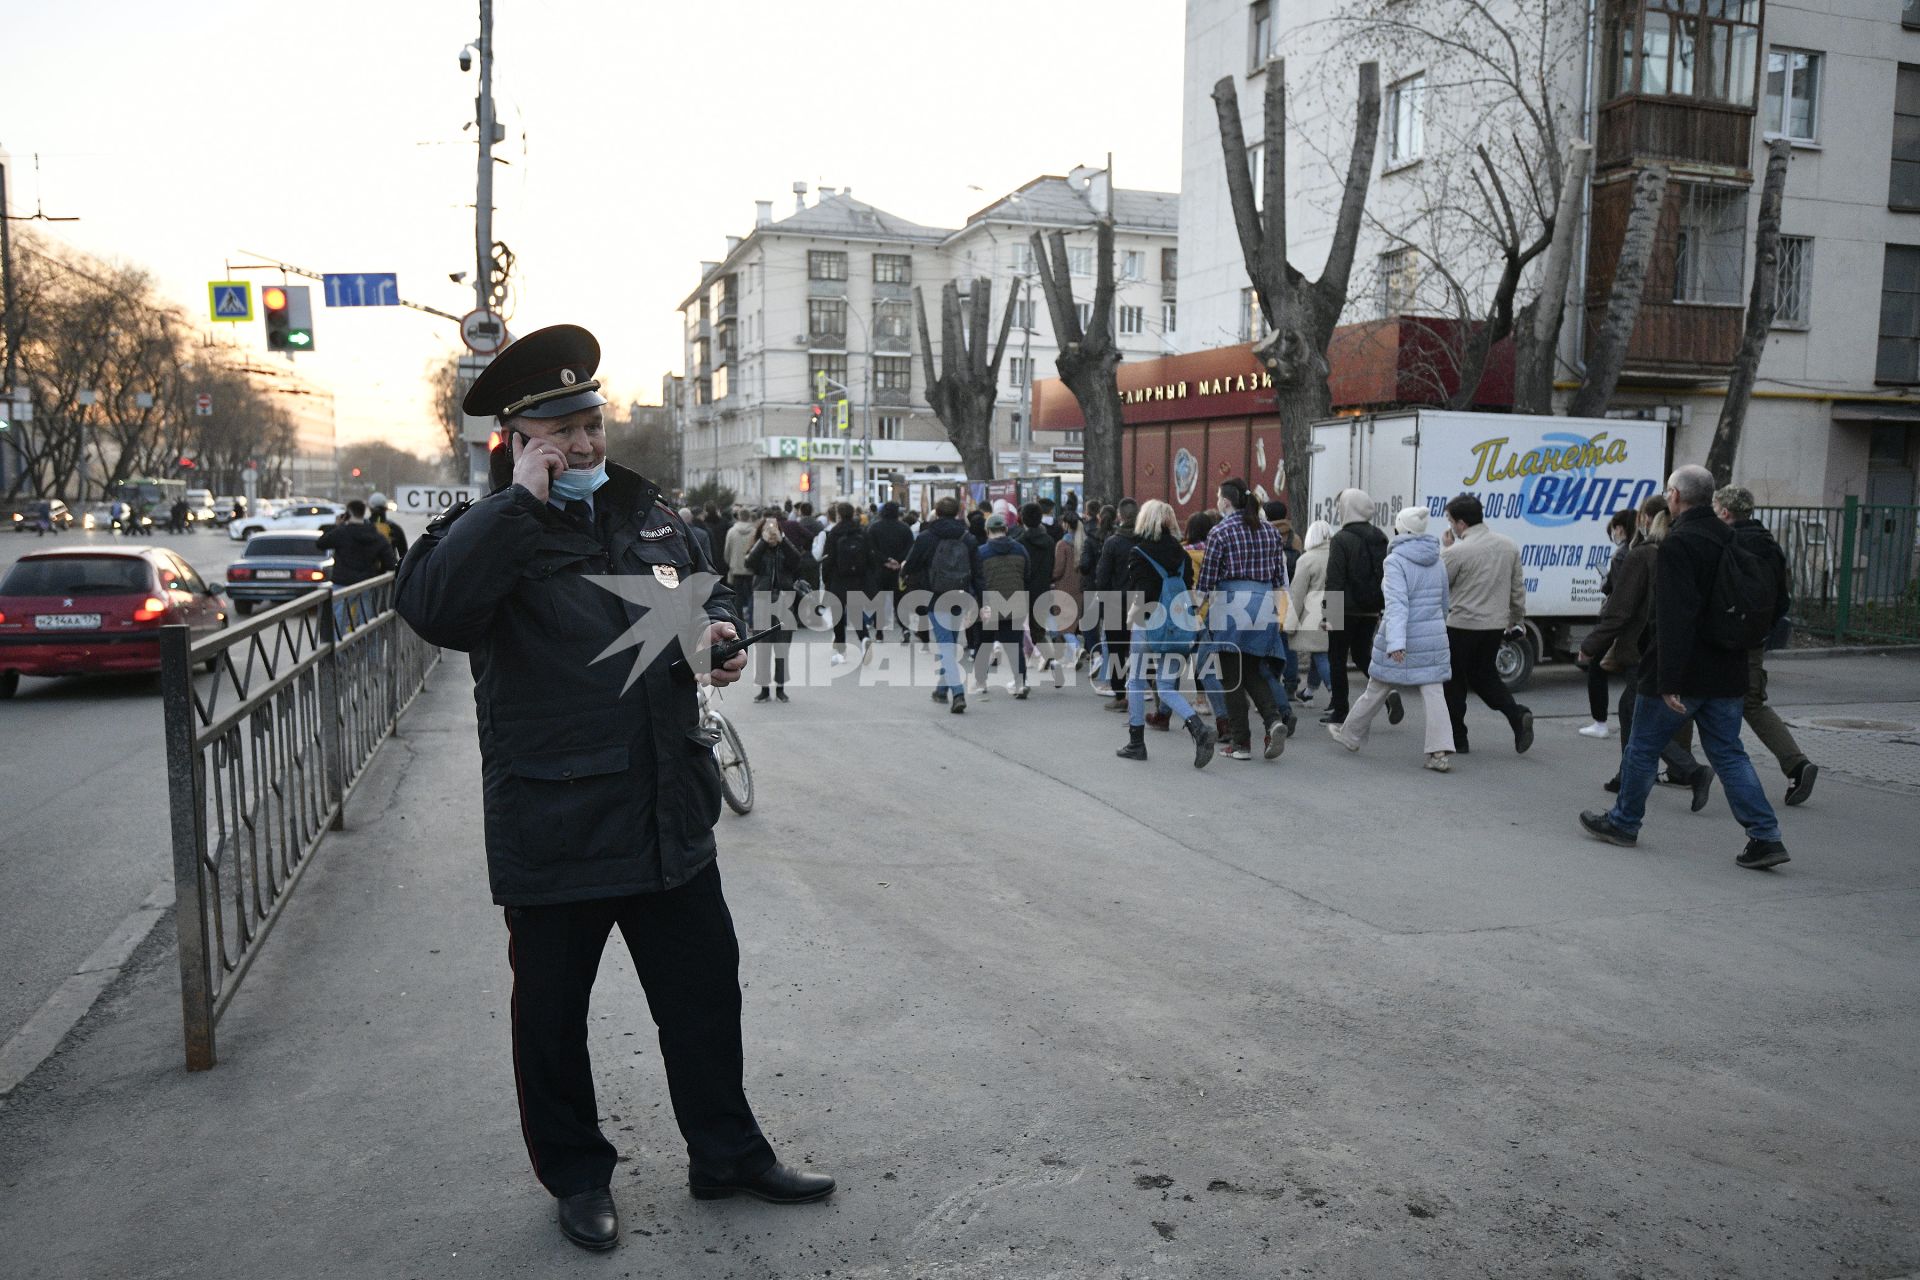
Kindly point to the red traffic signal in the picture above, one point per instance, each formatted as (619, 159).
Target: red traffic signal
(187, 463)
(356, 473)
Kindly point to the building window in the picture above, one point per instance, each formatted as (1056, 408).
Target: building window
(1899, 355)
(1022, 313)
(1793, 95)
(1020, 259)
(1399, 282)
(1904, 192)
(892, 268)
(887, 428)
(1253, 321)
(720, 383)
(1169, 317)
(893, 373)
(1684, 52)
(1013, 427)
(827, 318)
(1085, 311)
(1710, 246)
(1259, 35)
(826, 264)
(1079, 261)
(1406, 119)
(1016, 371)
(1910, 14)
(835, 367)
(893, 320)
(1257, 172)
(1793, 295)
(1170, 258)
(1133, 264)
(1133, 320)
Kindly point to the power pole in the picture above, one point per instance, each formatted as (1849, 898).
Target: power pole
(11, 380)
(1026, 385)
(483, 196)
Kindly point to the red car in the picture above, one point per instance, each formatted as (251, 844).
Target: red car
(92, 612)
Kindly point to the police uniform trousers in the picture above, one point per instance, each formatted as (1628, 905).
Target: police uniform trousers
(684, 950)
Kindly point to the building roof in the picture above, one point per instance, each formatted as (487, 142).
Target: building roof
(1051, 200)
(835, 217)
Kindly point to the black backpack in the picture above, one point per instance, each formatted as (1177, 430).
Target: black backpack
(1366, 595)
(1740, 606)
(850, 555)
(952, 567)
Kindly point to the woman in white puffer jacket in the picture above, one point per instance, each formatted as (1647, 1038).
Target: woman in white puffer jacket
(1410, 648)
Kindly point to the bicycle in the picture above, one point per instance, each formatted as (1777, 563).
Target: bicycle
(736, 773)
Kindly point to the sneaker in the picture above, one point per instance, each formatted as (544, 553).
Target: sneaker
(1600, 827)
(1238, 751)
(940, 695)
(1761, 854)
(1439, 762)
(1523, 732)
(1133, 751)
(1334, 717)
(1020, 693)
(1340, 736)
(1303, 697)
(982, 694)
(780, 695)
(839, 659)
(765, 695)
(1598, 729)
(1802, 780)
(1702, 784)
(1204, 741)
(1276, 742)
(959, 704)
(1396, 709)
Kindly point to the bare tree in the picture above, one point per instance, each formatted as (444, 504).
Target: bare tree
(1089, 358)
(1537, 329)
(445, 389)
(1301, 313)
(1760, 310)
(962, 394)
(1607, 355)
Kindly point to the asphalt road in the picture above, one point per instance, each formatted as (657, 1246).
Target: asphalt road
(83, 791)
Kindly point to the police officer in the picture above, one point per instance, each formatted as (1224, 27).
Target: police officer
(600, 790)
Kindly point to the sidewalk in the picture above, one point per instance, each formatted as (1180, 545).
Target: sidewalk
(1049, 1014)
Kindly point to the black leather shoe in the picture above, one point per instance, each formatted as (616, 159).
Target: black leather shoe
(778, 1185)
(1523, 732)
(1802, 780)
(1761, 854)
(589, 1219)
(1702, 787)
(1396, 710)
(1600, 827)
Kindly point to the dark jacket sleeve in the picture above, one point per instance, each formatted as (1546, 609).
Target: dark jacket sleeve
(459, 571)
(1621, 610)
(917, 556)
(1337, 548)
(1676, 608)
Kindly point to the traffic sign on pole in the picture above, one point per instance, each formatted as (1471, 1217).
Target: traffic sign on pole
(230, 301)
(203, 405)
(819, 384)
(364, 289)
(842, 415)
(483, 332)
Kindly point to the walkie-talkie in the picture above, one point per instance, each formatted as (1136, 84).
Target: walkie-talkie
(723, 653)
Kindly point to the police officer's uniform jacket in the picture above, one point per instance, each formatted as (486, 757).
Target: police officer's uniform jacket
(589, 792)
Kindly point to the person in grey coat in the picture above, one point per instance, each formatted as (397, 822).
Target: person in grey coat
(1410, 648)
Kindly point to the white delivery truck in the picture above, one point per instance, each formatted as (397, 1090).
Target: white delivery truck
(1548, 483)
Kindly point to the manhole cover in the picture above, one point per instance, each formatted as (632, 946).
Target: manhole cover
(1871, 726)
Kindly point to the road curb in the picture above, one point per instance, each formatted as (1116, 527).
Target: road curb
(1844, 651)
(42, 1033)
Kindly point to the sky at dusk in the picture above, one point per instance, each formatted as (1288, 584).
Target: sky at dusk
(638, 136)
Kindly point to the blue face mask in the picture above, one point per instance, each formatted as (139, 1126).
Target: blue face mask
(577, 485)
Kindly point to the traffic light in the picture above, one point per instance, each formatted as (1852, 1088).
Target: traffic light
(289, 313)
(814, 415)
(806, 481)
(356, 473)
(819, 384)
(842, 415)
(186, 464)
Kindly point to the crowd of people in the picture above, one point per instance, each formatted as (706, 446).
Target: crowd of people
(1234, 618)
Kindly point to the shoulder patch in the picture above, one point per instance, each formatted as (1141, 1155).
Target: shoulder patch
(662, 531)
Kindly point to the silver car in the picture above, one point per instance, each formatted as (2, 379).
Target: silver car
(276, 567)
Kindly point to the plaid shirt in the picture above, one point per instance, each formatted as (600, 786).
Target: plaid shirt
(1235, 551)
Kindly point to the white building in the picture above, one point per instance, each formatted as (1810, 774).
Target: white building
(1694, 87)
(829, 290)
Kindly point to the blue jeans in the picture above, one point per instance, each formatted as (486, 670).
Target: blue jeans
(1168, 667)
(1718, 720)
(1318, 674)
(946, 658)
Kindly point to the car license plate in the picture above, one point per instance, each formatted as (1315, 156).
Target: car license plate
(67, 621)
(273, 573)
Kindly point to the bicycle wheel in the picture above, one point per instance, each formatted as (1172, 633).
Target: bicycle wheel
(736, 774)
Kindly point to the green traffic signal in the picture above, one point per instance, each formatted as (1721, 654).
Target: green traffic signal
(289, 316)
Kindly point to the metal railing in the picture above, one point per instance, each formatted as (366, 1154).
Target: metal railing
(1853, 568)
(262, 751)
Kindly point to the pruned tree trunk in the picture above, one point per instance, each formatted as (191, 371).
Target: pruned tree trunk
(1088, 358)
(1609, 354)
(1760, 310)
(1536, 335)
(1301, 313)
(963, 392)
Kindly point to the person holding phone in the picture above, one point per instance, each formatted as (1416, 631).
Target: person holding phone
(599, 782)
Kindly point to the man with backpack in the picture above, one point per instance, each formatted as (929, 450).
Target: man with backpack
(1734, 505)
(1003, 577)
(1713, 602)
(888, 541)
(844, 565)
(1037, 540)
(1356, 573)
(944, 562)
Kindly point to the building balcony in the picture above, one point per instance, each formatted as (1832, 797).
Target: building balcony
(1169, 289)
(826, 288)
(887, 345)
(827, 341)
(1689, 132)
(729, 306)
(1690, 341)
(890, 289)
(886, 396)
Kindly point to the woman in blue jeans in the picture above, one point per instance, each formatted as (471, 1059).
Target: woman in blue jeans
(1157, 560)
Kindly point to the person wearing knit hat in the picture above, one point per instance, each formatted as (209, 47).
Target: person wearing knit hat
(1306, 623)
(1410, 646)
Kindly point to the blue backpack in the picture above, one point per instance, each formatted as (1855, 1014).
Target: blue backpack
(1175, 626)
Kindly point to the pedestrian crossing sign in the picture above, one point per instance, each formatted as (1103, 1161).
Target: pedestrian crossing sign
(230, 301)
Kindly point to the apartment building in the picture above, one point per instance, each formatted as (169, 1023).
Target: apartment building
(1696, 86)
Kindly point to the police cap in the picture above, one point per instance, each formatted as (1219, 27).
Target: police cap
(547, 374)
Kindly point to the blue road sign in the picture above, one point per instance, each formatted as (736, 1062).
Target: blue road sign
(363, 289)
(230, 301)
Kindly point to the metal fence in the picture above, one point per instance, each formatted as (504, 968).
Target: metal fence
(263, 749)
(1853, 567)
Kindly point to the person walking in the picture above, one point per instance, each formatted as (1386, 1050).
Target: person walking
(1158, 559)
(888, 541)
(844, 564)
(1410, 645)
(1487, 603)
(1620, 529)
(1687, 674)
(1734, 506)
(944, 562)
(1356, 565)
(1003, 578)
(1066, 582)
(735, 545)
(779, 572)
(1306, 624)
(1038, 542)
(1244, 566)
(1109, 572)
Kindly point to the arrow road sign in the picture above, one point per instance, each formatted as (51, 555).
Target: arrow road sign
(230, 301)
(366, 289)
